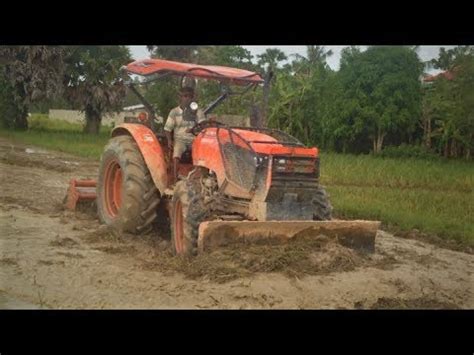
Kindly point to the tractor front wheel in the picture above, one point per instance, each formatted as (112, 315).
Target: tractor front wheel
(127, 198)
(188, 210)
(322, 210)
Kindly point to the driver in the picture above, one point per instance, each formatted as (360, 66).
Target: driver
(180, 121)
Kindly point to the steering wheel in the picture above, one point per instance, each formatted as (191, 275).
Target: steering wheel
(205, 124)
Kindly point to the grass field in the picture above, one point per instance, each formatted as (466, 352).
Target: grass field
(433, 196)
(60, 135)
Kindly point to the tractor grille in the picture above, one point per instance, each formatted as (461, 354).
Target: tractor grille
(240, 161)
(299, 173)
(286, 167)
(239, 165)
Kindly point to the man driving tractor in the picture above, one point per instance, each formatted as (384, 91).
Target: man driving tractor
(243, 183)
(181, 120)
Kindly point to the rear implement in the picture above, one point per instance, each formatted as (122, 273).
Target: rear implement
(80, 190)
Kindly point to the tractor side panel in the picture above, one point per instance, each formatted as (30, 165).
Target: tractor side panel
(207, 153)
(151, 150)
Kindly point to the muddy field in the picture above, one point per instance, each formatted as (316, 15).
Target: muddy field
(51, 258)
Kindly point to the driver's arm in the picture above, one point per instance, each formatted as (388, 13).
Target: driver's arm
(200, 116)
(169, 127)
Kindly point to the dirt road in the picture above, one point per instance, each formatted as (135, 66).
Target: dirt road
(51, 258)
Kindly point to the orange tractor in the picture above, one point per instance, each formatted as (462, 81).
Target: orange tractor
(236, 184)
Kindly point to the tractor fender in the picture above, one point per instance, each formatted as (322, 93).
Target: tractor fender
(151, 151)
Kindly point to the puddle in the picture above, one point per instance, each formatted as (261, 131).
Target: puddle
(35, 151)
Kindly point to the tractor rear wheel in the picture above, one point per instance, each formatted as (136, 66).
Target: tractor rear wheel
(188, 210)
(322, 207)
(127, 198)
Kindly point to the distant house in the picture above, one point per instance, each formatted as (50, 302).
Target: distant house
(445, 74)
(448, 74)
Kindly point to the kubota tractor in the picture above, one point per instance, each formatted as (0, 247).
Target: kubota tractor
(237, 183)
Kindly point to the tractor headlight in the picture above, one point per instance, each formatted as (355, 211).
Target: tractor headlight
(258, 160)
(280, 164)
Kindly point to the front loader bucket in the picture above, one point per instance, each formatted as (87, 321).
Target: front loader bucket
(80, 190)
(357, 234)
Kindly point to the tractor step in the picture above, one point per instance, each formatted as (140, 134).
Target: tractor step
(80, 190)
(357, 234)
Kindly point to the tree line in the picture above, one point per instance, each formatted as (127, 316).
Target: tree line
(376, 99)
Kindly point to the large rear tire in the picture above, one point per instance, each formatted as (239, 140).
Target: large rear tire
(188, 210)
(127, 198)
(322, 207)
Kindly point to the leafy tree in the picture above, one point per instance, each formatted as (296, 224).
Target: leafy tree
(447, 59)
(92, 81)
(29, 74)
(301, 97)
(348, 55)
(180, 53)
(10, 113)
(450, 103)
(381, 92)
(285, 109)
(233, 56)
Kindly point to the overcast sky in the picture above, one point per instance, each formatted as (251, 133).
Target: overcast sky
(425, 52)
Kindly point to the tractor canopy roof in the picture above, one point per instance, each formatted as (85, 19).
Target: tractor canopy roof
(148, 67)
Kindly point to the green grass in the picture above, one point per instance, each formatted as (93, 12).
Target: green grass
(433, 196)
(367, 170)
(61, 136)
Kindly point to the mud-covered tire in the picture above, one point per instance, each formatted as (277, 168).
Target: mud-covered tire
(322, 207)
(134, 191)
(188, 210)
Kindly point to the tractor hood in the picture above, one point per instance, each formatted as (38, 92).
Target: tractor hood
(238, 157)
(262, 143)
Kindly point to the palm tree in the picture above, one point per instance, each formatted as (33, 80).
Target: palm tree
(271, 57)
(315, 55)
